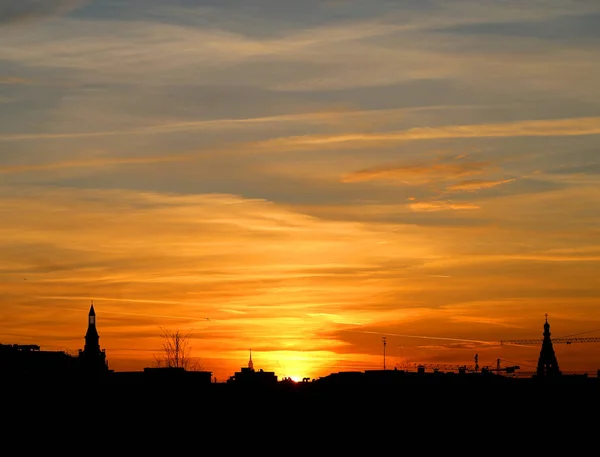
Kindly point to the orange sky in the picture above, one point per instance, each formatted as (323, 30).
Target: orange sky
(310, 178)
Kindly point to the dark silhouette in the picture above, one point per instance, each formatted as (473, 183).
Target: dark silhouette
(28, 363)
(249, 376)
(176, 351)
(93, 359)
(547, 363)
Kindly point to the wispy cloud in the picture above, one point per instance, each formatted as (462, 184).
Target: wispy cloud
(309, 118)
(296, 170)
(335, 117)
(96, 162)
(17, 11)
(535, 128)
(476, 184)
(13, 80)
(421, 173)
(436, 205)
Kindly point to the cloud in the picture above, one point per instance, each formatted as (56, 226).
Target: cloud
(332, 116)
(95, 162)
(432, 206)
(17, 11)
(476, 184)
(13, 80)
(533, 128)
(421, 173)
(564, 28)
(329, 116)
(330, 55)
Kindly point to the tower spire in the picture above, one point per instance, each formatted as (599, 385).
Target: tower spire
(92, 357)
(547, 363)
(92, 339)
(250, 363)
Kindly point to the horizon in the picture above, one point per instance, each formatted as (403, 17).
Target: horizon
(193, 363)
(301, 179)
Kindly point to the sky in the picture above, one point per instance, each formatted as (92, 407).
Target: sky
(302, 179)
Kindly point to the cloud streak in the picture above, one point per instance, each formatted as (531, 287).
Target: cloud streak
(13, 80)
(96, 162)
(295, 171)
(432, 206)
(19, 11)
(421, 173)
(531, 128)
(476, 184)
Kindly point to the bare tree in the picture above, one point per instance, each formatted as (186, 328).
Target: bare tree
(176, 351)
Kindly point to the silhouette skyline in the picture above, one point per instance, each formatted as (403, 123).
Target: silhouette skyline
(302, 179)
(31, 363)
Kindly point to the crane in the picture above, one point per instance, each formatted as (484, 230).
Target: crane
(499, 369)
(462, 368)
(565, 340)
(568, 339)
(436, 367)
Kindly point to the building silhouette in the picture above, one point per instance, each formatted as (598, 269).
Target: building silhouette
(249, 376)
(29, 362)
(92, 359)
(547, 363)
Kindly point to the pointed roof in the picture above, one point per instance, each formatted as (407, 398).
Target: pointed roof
(547, 363)
(92, 312)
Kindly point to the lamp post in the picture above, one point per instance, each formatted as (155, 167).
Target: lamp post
(384, 339)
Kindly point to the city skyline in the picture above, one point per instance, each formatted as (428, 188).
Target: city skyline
(176, 344)
(301, 179)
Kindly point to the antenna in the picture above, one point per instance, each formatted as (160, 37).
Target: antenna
(384, 339)
(250, 363)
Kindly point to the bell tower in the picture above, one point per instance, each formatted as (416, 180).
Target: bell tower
(92, 339)
(250, 363)
(92, 357)
(547, 363)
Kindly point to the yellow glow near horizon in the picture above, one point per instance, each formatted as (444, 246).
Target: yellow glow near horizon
(300, 184)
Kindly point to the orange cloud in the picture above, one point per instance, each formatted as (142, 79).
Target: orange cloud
(28, 10)
(441, 206)
(417, 173)
(553, 127)
(284, 283)
(13, 80)
(476, 184)
(95, 162)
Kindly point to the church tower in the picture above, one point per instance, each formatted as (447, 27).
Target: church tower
(92, 339)
(547, 363)
(92, 357)
(250, 363)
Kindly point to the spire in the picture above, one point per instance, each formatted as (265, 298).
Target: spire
(250, 364)
(547, 363)
(93, 359)
(92, 339)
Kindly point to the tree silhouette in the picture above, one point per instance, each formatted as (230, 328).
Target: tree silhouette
(176, 351)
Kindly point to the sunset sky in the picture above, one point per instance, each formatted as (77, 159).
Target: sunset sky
(301, 178)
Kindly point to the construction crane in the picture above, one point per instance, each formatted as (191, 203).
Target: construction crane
(499, 369)
(565, 340)
(435, 367)
(568, 339)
